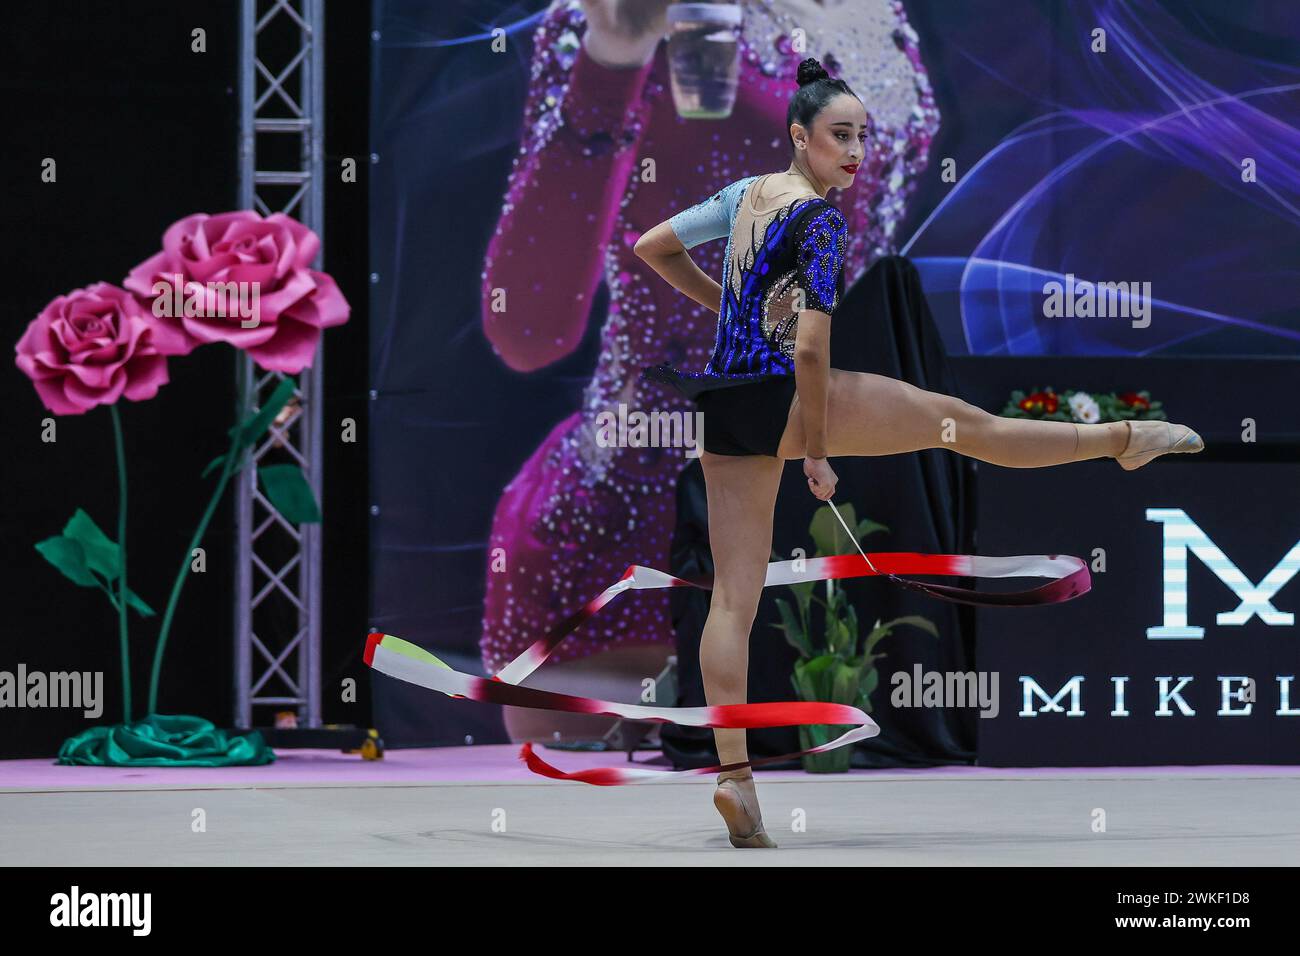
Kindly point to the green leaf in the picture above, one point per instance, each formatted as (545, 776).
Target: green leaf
(915, 620)
(877, 633)
(834, 636)
(795, 635)
(845, 681)
(852, 629)
(826, 531)
(214, 463)
(112, 598)
(924, 623)
(134, 600)
(866, 526)
(250, 430)
(787, 616)
(289, 493)
(817, 665)
(869, 681)
(803, 591)
(100, 552)
(69, 557)
(814, 676)
(803, 683)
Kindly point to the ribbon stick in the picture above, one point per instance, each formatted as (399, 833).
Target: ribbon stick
(406, 661)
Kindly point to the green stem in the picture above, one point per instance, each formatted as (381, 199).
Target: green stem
(236, 451)
(108, 593)
(121, 579)
(181, 576)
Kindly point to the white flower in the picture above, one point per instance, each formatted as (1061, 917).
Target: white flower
(1084, 408)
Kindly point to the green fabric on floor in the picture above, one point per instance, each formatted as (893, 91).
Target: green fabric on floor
(165, 740)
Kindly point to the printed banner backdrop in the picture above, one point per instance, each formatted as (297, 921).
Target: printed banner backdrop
(1030, 157)
(1194, 594)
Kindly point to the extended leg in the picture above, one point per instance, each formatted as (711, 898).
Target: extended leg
(868, 414)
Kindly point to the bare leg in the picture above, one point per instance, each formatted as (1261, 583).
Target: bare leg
(868, 414)
(742, 497)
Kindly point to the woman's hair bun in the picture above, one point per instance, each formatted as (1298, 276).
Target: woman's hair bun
(810, 71)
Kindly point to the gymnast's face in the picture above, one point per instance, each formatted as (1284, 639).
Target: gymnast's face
(837, 140)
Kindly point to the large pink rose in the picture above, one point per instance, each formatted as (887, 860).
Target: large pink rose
(295, 301)
(93, 346)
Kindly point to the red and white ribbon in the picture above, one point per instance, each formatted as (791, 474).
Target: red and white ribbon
(406, 661)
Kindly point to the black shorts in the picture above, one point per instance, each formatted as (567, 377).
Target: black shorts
(746, 419)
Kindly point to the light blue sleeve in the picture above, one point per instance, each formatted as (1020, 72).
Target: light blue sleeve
(712, 218)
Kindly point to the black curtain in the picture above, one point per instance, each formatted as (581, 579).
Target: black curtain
(883, 325)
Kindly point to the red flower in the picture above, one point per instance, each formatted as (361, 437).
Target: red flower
(1134, 400)
(1044, 402)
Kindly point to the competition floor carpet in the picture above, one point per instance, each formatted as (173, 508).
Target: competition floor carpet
(481, 806)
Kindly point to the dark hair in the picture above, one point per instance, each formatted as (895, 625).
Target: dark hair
(816, 89)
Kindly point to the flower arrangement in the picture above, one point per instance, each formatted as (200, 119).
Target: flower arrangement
(1079, 406)
(236, 278)
(836, 671)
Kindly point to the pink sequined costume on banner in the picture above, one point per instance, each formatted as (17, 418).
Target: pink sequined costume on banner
(577, 513)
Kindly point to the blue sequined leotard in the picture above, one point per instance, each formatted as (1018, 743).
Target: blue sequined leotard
(777, 262)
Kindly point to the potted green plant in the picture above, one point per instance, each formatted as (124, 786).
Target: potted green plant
(834, 670)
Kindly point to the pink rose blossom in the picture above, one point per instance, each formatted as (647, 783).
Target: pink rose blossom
(93, 346)
(295, 302)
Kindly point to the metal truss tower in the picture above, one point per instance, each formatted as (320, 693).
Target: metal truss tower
(278, 565)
